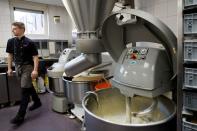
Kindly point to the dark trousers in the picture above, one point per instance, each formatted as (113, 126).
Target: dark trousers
(26, 93)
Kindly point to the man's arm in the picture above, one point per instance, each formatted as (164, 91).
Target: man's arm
(34, 74)
(36, 62)
(10, 59)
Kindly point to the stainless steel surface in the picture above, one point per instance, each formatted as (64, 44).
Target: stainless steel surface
(77, 90)
(116, 34)
(105, 117)
(59, 104)
(3, 89)
(101, 66)
(88, 14)
(147, 74)
(178, 93)
(57, 86)
(148, 110)
(56, 70)
(5, 65)
(128, 110)
(89, 45)
(82, 63)
(14, 88)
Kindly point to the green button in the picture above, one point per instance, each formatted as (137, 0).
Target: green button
(133, 62)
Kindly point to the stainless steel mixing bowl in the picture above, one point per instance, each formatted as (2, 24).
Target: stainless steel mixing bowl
(105, 110)
(76, 90)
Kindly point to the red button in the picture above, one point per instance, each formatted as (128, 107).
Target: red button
(133, 56)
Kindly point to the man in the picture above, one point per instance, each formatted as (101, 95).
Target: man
(24, 53)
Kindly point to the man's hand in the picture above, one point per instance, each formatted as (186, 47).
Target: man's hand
(34, 74)
(10, 72)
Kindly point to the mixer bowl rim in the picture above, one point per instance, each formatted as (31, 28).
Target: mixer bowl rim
(129, 125)
(77, 82)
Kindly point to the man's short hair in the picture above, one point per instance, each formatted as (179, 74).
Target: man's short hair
(20, 25)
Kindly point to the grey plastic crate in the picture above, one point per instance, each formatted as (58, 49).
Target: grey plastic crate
(190, 2)
(190, 23)
(190, 51)
(190, 80)
(188, 126)
(190, 100)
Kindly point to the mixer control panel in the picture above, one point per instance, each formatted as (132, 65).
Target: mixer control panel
(137, 53)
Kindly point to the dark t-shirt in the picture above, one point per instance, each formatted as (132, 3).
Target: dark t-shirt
(22, 49)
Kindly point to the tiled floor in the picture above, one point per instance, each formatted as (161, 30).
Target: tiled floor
(43, 119)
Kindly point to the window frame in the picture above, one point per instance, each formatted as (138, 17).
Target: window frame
(34, 7)
(35, 12)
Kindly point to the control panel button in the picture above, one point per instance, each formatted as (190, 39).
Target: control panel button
(133, 56)
(143, 51)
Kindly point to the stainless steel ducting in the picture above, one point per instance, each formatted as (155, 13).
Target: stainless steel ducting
(88, 16)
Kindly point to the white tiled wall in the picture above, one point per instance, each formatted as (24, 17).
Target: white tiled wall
(62, 30)
(165, 10)
(5, 28)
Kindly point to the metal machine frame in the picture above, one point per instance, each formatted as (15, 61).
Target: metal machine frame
(175, 51)
(178, 92)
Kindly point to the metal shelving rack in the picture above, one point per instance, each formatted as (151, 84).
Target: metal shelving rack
(182, 37)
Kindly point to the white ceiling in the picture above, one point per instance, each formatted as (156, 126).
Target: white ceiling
(49, 2)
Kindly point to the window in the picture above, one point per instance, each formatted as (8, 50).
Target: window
(33, 20)
(44, 44)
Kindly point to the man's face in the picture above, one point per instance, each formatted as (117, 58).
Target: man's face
(17, 31)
